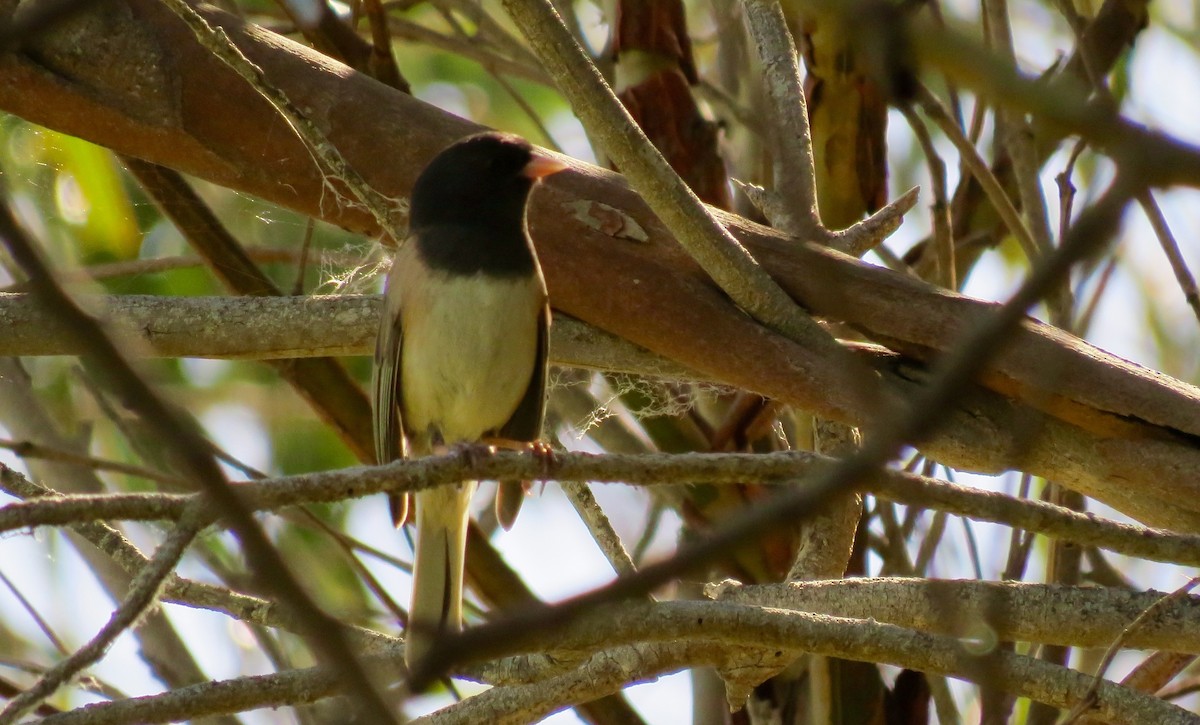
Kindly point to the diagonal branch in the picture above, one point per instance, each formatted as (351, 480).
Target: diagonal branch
(795, 173)
(595, 236)
(323, 382)
(634, 641)
(190, 452)
(143, 592)
(720, 255)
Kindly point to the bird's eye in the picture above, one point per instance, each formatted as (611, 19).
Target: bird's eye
(497, 161)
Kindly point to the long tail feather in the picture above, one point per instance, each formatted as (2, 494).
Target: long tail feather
(442, 516)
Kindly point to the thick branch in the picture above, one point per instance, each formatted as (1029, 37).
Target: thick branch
(795, 174)
(268, 328)
(720, 255)
(633, 641)
(1013, 611)
(1112, 428)
(867, 641)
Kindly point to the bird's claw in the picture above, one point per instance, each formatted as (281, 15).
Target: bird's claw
(544, 454)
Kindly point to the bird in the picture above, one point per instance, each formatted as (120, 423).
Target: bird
(461, 353)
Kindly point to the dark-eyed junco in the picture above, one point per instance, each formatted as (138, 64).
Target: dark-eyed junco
(461, 352)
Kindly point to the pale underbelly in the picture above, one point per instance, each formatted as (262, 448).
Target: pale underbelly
(467, 361)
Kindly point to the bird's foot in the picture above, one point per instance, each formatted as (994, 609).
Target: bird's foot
(540, 450)
(544, 454)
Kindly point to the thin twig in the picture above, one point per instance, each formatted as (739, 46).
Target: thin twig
(975, 163)
(1183, 275)
(33, 613)
(143, 592)
(933, 537)
(466, 48)
(1084, 323)
(939, 210)
(191, 452)
(302, 263)
(29, 449)
(599, 526)
(650, 530)
(972, 548)
(709, 243)
(489, 30)
(1089, 698)
(891, 548)
(868, 234)
(529, 111)
(652, 469)
(347, 546)
(281, 689)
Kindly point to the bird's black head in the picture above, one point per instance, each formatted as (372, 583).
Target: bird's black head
(482, 178)
(468, 205)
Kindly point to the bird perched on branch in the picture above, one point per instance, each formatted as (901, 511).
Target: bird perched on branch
(461, 353)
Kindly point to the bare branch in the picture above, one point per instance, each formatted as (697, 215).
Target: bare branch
(1045, 609)
(190, 452)
(795, 174)
(143, 591)
(599, 526)
(281, 689)
(649, 469)
(1170, 247)
(709, 243)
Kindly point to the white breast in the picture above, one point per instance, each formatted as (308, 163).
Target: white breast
(468, 351)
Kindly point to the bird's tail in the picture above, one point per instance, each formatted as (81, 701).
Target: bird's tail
(442, 518)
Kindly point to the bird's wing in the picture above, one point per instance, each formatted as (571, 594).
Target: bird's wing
(390, 441)
(525, 424)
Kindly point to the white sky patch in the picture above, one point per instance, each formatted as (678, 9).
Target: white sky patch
(463, 99)
(568, 133)
(552, 550)
(238, 431)
(549, 545)
(204, 372)
(1168, 102)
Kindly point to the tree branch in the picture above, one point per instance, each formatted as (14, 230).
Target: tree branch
(961, 608)
(143, 592)
(281, 689)
(635, 641)
(189, 451)
(721, 256)
(595, 236)
(273, 494)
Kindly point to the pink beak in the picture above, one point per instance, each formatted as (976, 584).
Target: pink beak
(542, 166)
